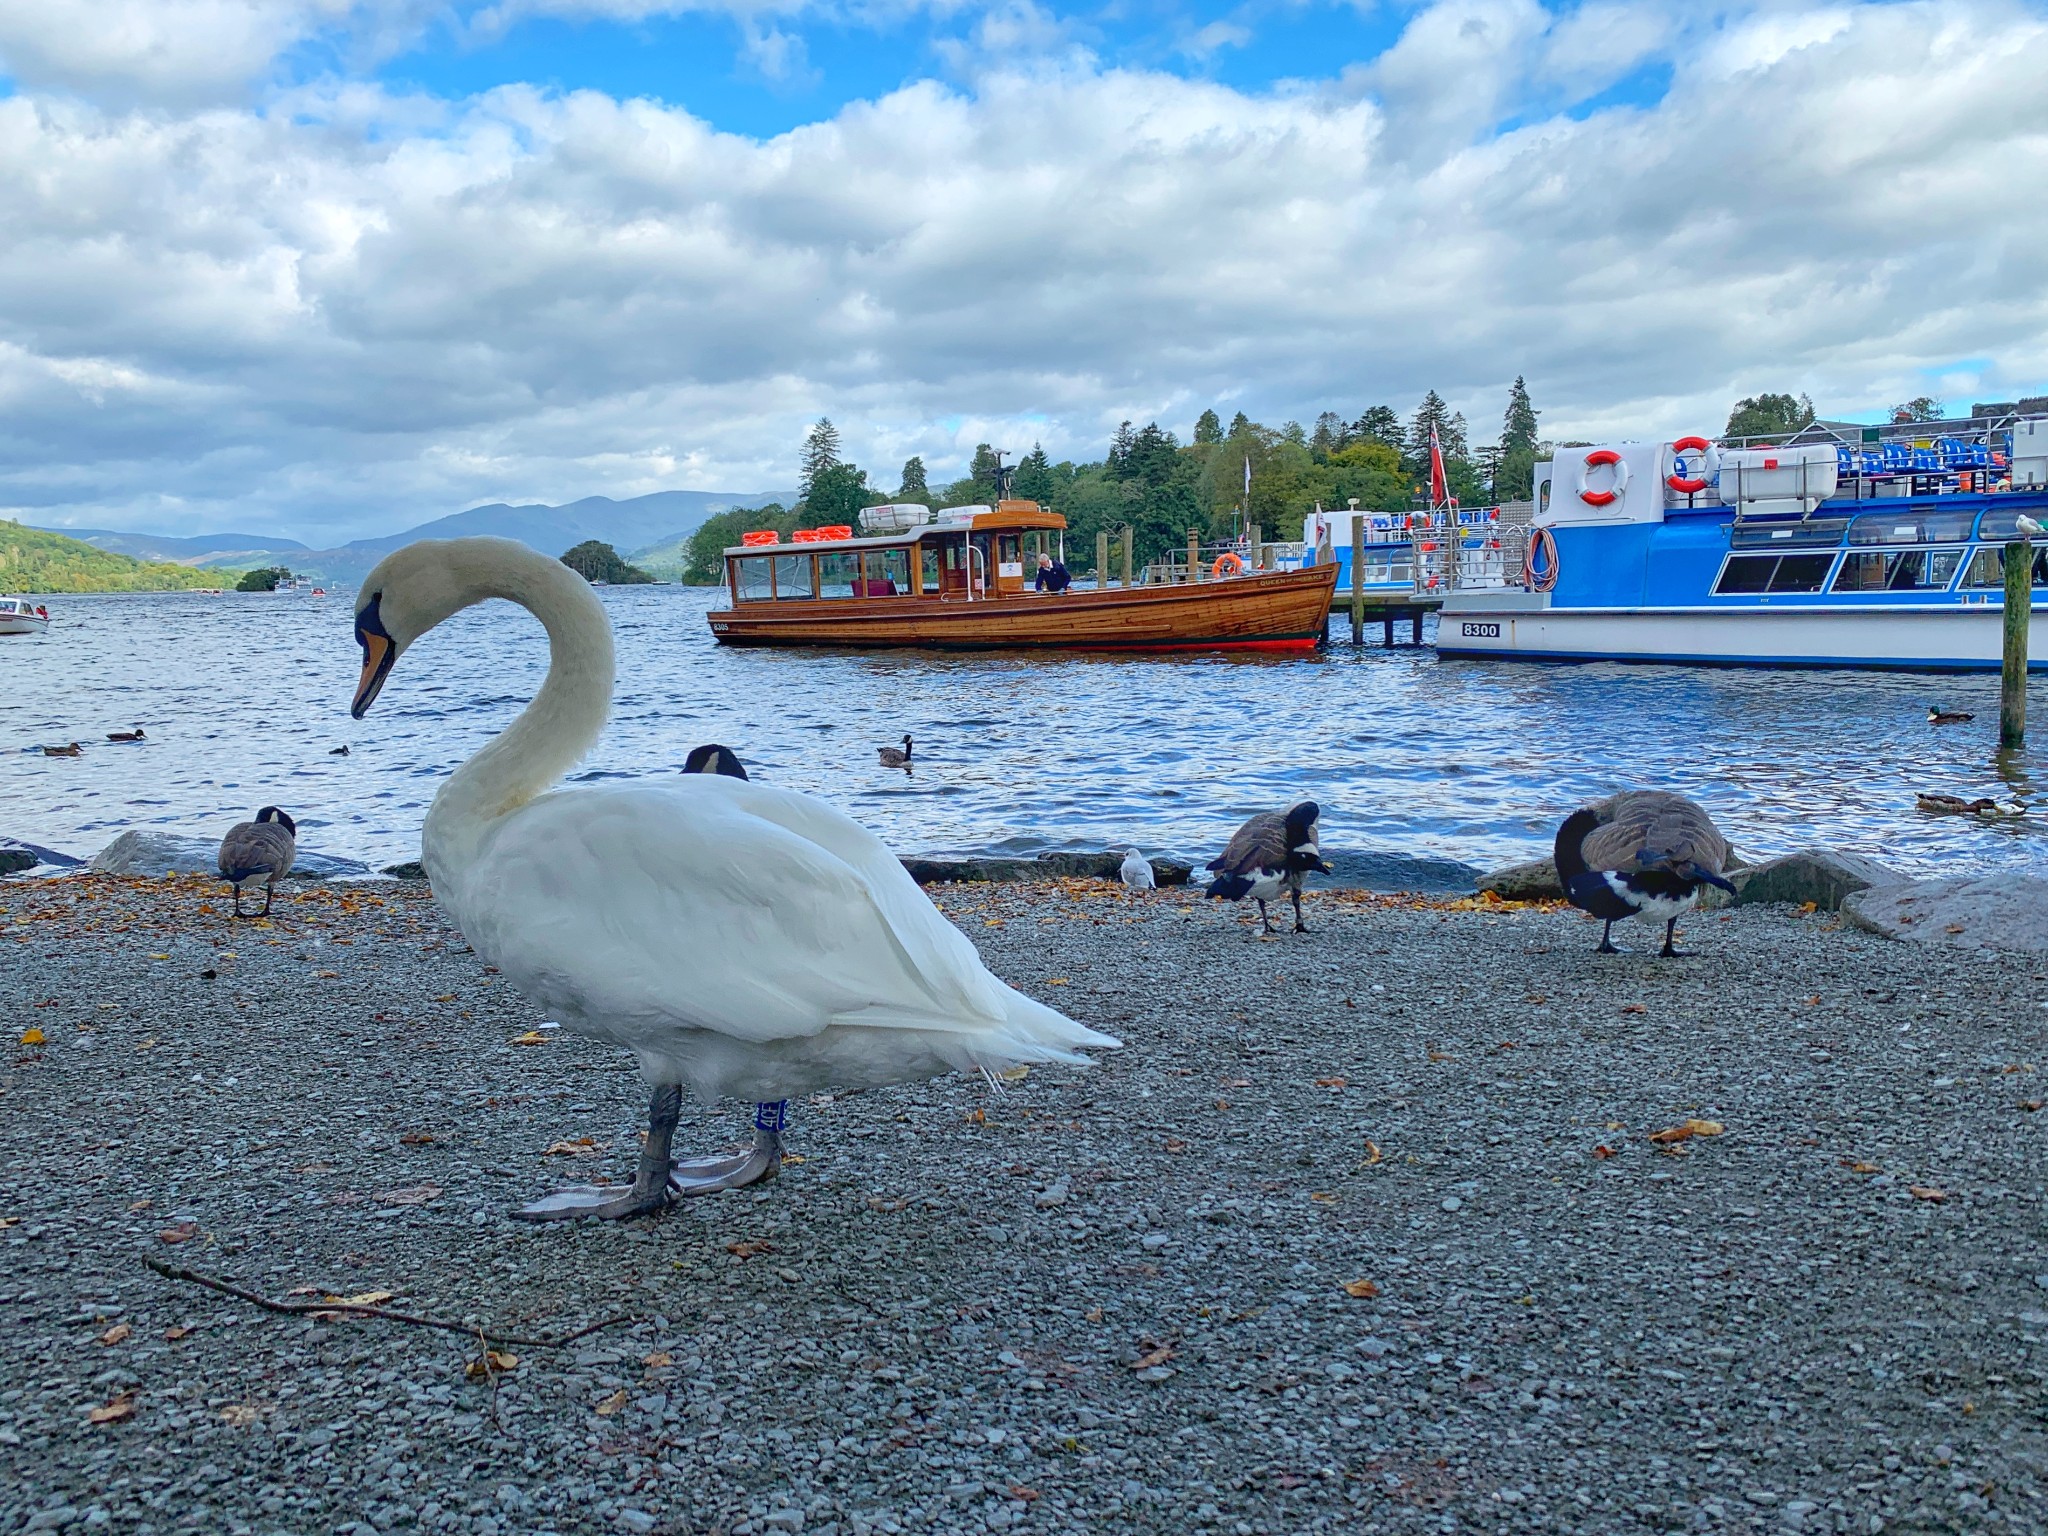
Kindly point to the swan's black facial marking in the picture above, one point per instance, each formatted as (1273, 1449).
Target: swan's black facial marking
(379, 652)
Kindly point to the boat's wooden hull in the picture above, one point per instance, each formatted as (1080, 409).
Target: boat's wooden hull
(1275, 610)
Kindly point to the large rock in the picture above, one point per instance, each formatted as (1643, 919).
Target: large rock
(1047, 866)
(166, 853)
(1824, 876)
(1983, 912)
(1534, 881)
(16, 856)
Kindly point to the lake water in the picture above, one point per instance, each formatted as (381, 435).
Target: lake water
(243, 696)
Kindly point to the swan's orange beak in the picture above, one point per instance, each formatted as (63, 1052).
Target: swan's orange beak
(379, 652)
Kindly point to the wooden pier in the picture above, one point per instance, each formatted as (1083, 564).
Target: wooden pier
(1388, 607)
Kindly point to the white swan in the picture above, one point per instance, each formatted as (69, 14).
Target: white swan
(740, 940)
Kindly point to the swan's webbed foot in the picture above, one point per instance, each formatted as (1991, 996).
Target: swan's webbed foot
(647, 1195)
(756, 1165)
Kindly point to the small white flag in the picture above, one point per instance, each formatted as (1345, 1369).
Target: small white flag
(1247, 474)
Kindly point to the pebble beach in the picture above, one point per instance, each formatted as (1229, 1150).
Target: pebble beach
(1428, 1220)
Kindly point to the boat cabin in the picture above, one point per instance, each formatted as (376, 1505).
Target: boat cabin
(961, 554)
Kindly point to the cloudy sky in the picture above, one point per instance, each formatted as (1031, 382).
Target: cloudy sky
(329, 267)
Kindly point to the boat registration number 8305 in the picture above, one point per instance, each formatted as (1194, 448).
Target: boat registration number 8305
(1472, 631)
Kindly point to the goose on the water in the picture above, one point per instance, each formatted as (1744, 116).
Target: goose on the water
(1641, 853)
(742, 941)
(894, 757)
(712, 758)
(1271, 853)
(1137, 871)
(259, 852)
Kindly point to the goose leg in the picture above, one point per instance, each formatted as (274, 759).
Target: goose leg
(1265, 921)
(647, 1195)
(238, 897)
(756, 1165)
(269, 895)
(1299, 925)
(1607, 940)
(1670, 951)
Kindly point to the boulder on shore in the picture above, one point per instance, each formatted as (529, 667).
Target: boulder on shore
(1534, 881)
(1047, 866)
(1980, 912)
(167, 853)
(16, 856)
(1824, 876)
(411, 869)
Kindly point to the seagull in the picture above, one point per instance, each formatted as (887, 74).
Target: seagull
(2028, 526)
(1136, 872)
(1271, 853)
(1938, 716)
(1642, 853)
(892, 757)
(712, 758)
(259, 850)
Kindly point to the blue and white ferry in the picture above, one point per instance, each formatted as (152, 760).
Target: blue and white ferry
(1843, 546)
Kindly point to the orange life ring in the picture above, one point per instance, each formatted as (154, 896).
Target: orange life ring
(1691, 485)
(1594, 460)
(1227, 561)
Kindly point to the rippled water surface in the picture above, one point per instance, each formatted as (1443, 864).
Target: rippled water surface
(243, 696)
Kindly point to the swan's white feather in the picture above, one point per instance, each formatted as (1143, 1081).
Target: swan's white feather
(740, 938)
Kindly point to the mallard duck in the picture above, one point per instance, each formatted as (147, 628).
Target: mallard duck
(712, 758)
(1642, 853)
(1952, 805)
(260, 850)
(134, 735)
(1273, 852)
(1938, 716)
(893, 757)
(74, 750)
(740, 940)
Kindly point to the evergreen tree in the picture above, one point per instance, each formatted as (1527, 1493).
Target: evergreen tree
(1518, 424)
(1769, 416)
(1450, 430)
(1034, 478)
(821, 452)
(1329, 437)
(1120, 450)
(1381, 425)
(1514, 476)
(1291, 432)
(594, 560)
(838, 492)
(913, 487)
(1240, 424)
(1208, 428)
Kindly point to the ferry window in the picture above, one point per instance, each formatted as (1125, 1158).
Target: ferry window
(1909, 525)
(754, 582)
(1814, 530)
(1905, 570)
(928, 565)
(1774, 573)
(793, 576)
(1987, 566)
(837, 575)
(888, 572)
(2002, 524)
(1747, 573)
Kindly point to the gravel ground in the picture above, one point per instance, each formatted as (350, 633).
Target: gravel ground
(1114, 1297)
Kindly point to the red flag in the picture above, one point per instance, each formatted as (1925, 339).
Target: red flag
(1439, 489)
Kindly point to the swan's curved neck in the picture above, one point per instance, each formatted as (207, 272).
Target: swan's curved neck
(551, 734)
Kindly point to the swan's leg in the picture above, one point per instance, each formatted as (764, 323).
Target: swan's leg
(1607, 940)
(1299, 925)
(1670, 951)
(647, 1195)
(760, 1162)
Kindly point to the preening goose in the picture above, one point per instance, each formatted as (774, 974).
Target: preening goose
(260, 850)
(892, 758)
(1271, 853)
(712, 758)
(1137, 871)
(740, 940)
(1939, 716)
(1641, 853)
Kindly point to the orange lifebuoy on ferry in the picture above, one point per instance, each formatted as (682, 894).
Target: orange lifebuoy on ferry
(1598, 458)
(1227, 563)
(1691, 485)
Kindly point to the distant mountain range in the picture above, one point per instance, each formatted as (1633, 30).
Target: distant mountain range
(661, 518)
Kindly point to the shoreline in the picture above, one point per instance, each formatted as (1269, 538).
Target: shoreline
(1108, 1295)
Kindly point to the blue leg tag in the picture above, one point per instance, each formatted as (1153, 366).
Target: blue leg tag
(772, 1118)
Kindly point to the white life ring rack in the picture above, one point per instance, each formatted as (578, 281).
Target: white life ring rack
(1603, 458)
(1709, 466)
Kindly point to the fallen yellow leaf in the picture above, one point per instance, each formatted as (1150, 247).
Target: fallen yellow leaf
(1363, 1290)
(611, 1405)
(583, 1146)
(1927, 1192)
(660, 1357)
(240, 1415)
(1687, 1131)
(1156, 1356)
(492, 1362)
(1321, 1198)
(531, 1037)
(1014, 1074)
(177, 1333)
(750, 1248)
(116, 1334)
(31, 1036)
(364, 1299)
(1329, 1082)
(115, 1411)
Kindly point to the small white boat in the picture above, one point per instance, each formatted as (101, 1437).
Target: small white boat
(19, 616)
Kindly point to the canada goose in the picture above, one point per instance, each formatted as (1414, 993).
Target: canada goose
(263, 850)
(134, 735)
(1936, 716)
(712, 758)
(340, 751)
(1137, 872)
(1271, 853)
(892, 758)
(741, 940)
(74, 750)
(1641, 853)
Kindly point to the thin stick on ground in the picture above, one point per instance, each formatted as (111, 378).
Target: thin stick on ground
(304, 1308)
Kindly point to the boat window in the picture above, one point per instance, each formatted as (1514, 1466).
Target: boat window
(1987, 566)
(1909, 525)
(838, 573)
(793, 576)
(1904, 570)
(928, 565)
(888, 572)
(1773, 573)
(754, 582)
(1815, 530)
(2001, 524)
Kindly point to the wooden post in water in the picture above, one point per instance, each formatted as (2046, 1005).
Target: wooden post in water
(2019, 607)
(1194, 555)
(1102, 558)
(1357, 579)
(1127, 554)
(1258, 547)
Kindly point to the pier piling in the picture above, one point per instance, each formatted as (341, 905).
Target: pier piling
(1102, 558)
(2019, 607)
(1194, 555)
(1125, 539)
(1358, 583)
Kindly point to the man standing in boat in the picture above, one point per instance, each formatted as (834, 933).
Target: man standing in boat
(1052, 575)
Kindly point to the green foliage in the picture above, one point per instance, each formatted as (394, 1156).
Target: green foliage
(1769, 416)
(1034, 478)
(1921, 408)
(1514, 476)
(705, 565)
(913, 487)
(263, 579)
(1208, 428)
(838, 492)
(34, 561)
(820, 453)
(1382, 424)
(597, 561)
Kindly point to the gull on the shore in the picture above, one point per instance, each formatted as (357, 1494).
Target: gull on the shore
(712, 758)
(893, 757)
(1271, 853)
(741, 940)
(259, 851)
(1641, 853)
(1136, 871)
